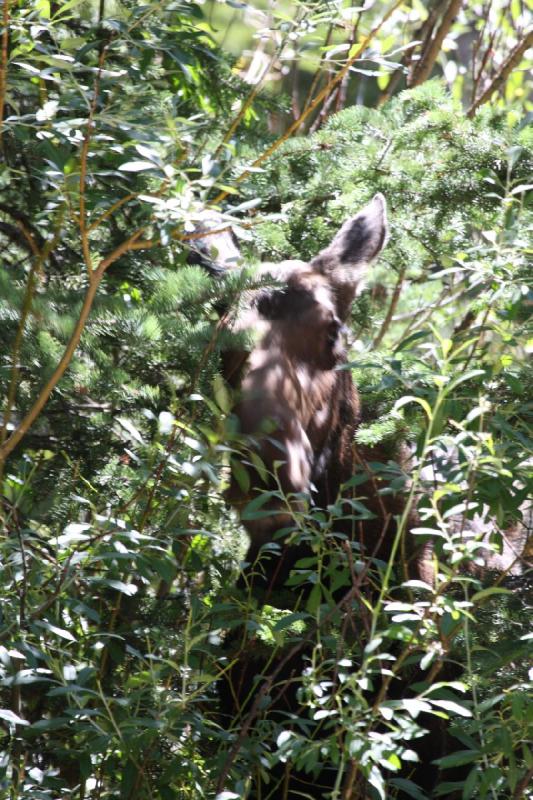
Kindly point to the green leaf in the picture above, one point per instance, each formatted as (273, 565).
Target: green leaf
(50, 724)
(314, 599)
(62, 11)
(403, 401)
(409, 788)
(12, 718)
(458, 759)
(473, 373)
(240, 473)
(375, 779)
(409, 340)
(523, 187)
(61, 632)
(137, 166)
(470, 784)
(489, 592)
(288, 620)
(251, 510)
(43, 8)
(414, 706)
(393, 762)
(454, 708)
(128, 589)
(74, 532)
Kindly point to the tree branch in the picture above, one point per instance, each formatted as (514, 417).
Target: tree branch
(512, 60)
(423, 69)
(3, 67)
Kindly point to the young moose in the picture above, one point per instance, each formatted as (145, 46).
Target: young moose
(290, 380)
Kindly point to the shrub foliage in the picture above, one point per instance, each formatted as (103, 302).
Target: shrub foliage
(119, 557)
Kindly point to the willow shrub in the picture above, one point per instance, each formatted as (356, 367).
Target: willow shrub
(119, 556)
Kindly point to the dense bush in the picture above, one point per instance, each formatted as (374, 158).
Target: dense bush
(118, 553)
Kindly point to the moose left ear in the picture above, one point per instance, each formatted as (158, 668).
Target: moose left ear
(359, 241)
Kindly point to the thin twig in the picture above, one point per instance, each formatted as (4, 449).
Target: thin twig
(343, 88)
(512, 60)
(521, 786)
(425, 34)
(61, 584)
(35, 270)
(476, 73)
(267, 685)
(130, 244)
(477, 78)
(254, 92)
(245, 106)
(3, 67)
(319, 70)
(111, 210)
(391, 309)
(82, 221)
(338, 95)
(407, 64)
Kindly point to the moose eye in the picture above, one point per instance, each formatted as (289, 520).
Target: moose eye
(334, 329)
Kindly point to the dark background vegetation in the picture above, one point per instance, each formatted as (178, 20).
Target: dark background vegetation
(120, 123)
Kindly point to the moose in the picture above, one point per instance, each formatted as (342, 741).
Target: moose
(299, 411)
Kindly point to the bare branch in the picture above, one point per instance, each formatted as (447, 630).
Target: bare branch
(422, 71)
(512, 61)
(3, 66)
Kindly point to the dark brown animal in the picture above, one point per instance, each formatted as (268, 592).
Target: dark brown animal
(297, 410)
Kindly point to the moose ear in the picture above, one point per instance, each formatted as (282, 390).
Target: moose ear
(358, 242)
